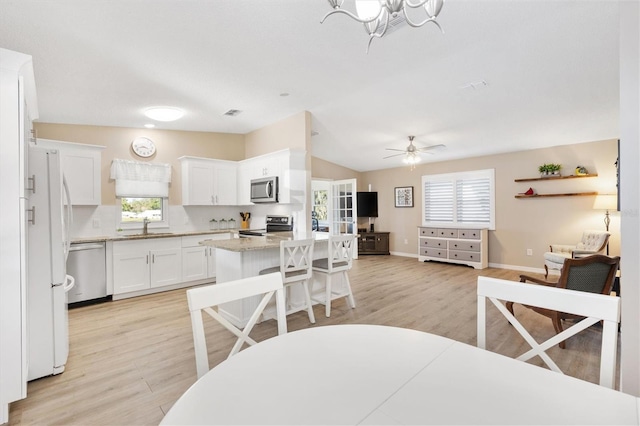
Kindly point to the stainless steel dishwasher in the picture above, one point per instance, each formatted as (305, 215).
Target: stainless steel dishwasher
(87, 264)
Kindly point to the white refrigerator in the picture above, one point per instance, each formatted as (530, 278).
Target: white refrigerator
(47, 280)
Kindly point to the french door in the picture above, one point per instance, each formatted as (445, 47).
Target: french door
(344, 209)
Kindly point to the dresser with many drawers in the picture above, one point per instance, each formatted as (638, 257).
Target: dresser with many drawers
(454, 245)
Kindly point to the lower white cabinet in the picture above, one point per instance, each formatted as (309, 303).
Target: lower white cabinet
(453, 245)
(198, 261)
(145, 264)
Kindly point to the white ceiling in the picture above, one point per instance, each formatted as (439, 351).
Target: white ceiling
(552, 71)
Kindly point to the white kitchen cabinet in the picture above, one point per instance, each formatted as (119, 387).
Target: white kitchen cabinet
(287, 164)
(198, 261)
(144, 264)
(81, 165)
(207, 182)
(18, 107)
(195, 263)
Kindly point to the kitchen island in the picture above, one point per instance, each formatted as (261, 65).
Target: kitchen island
(245, 257)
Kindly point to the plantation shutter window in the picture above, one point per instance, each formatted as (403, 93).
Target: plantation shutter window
(438, 200)
(465, 199)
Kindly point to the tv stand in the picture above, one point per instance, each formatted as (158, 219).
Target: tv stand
(373, 243)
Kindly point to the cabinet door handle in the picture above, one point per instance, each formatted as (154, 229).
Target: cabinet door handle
(147, 259)
(32, 179)
(32, 219)
(153, 258)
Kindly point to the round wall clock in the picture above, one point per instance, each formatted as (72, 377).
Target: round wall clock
(143, 147)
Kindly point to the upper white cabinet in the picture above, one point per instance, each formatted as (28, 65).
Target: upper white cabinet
(81, 166)
(287, 164)
(207, 182)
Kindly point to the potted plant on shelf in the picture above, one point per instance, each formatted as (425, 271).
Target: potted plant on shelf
(548, 170)
(544, 170)
(554, 169)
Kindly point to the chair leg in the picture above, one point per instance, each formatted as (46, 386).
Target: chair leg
(546, 271)
(557, 325)
(307, 295)
(352, 302)
(509, 306)
(327, 306)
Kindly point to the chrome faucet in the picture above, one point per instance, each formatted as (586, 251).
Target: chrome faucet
(145, 224)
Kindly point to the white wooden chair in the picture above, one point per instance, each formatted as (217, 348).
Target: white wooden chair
(205, 298)
(338, 262)
(594, 307)
(296, 257)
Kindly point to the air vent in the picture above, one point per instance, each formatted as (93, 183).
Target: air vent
(232, 112)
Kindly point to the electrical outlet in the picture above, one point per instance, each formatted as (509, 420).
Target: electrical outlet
(406, 241)
(529, 252)
(96, 223)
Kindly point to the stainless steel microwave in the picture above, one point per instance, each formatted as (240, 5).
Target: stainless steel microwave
(264, 190)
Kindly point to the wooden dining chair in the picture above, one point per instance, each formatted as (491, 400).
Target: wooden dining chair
(338, 262)
(204, 299)
(593, 274)
(590, 306)
(296, 257)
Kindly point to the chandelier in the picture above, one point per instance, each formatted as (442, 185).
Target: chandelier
(376, 14)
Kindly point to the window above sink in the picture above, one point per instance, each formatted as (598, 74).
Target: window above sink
(132, 211)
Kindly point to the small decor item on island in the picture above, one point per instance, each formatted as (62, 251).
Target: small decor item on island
(244, 224)
(213, 225)
(550, 170)
(581, 171)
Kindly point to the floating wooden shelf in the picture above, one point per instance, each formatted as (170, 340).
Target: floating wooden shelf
(567, 194)
(556, 177)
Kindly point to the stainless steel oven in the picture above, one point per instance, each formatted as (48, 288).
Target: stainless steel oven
(273, 224)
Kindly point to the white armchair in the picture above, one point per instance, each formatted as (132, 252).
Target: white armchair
(593, 242)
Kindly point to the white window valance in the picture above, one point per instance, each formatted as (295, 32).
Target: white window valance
(138, 179)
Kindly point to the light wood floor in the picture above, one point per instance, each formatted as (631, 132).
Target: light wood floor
(130, 360)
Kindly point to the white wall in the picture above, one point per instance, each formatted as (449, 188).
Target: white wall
(630, 195)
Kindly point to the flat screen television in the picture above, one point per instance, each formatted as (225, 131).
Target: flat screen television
(367, 204)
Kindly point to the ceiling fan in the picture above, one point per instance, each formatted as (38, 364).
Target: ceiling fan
(411, 152)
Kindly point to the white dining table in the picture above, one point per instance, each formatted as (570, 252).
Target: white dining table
(369, 374)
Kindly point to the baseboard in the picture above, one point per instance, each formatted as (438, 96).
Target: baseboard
(398, 253)
(522, 268)
(492, 265)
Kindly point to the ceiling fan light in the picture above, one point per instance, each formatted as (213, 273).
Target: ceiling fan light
(411, 158)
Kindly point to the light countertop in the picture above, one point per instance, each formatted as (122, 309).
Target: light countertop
(272, 240)
(149, 235)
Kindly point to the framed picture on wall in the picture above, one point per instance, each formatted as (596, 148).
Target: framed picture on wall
(404, 196)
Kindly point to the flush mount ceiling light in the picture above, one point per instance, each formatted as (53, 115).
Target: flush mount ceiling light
(377, 14)
(164, 113)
